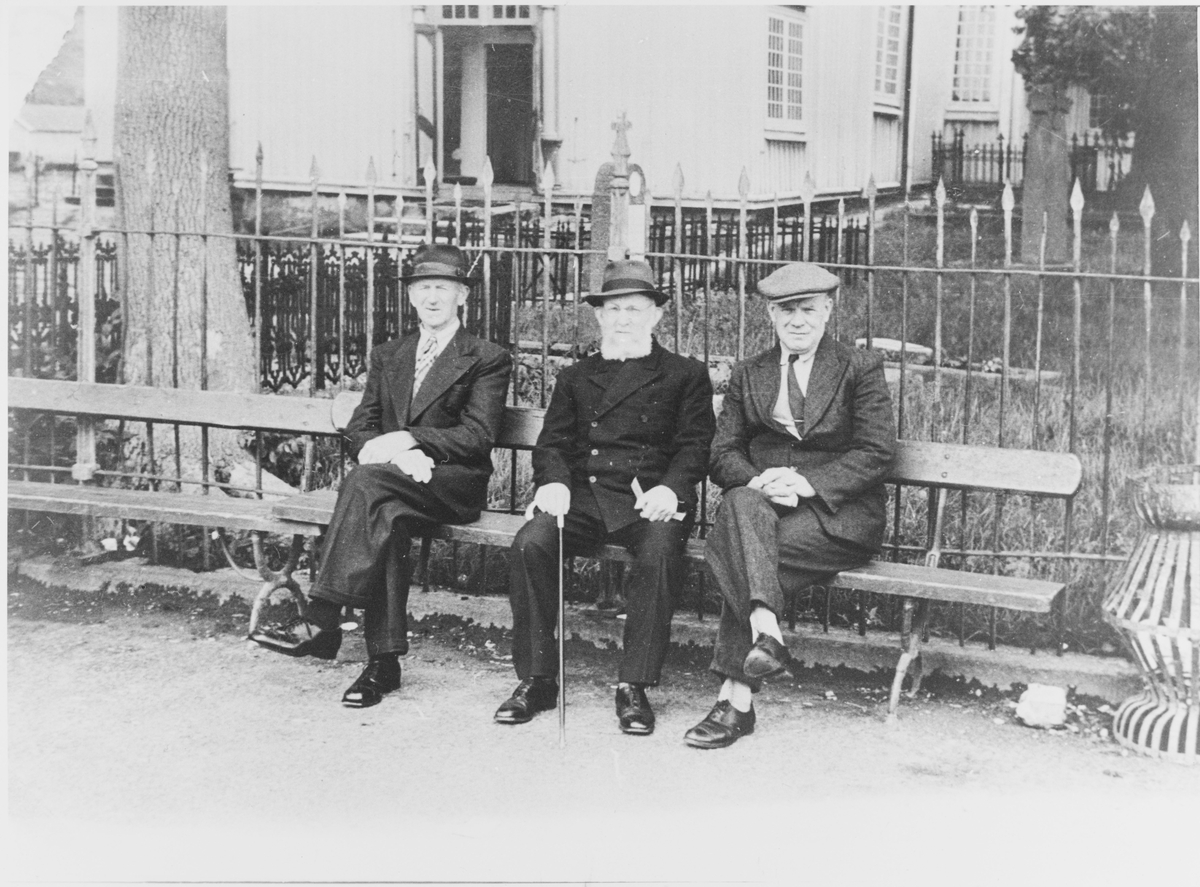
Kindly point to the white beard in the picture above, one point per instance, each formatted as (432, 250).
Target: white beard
(610, 351)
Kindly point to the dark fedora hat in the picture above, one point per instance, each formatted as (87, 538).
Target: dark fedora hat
(438, 261)
(797, 280)
(626, 277)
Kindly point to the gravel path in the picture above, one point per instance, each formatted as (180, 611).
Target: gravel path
(148, 741)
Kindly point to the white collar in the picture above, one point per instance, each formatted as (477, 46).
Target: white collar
(784, 354)
(442, 336)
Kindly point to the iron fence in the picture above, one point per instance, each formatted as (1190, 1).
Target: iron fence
(1097, 163)
(1098, 357)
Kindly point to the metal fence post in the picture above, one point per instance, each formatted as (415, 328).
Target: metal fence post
(85, 465)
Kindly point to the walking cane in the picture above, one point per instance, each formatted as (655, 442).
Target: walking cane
(562, 624)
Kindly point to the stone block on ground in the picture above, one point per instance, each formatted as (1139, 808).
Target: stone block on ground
(1042, 705)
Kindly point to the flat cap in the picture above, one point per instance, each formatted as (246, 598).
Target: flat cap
(795, 281)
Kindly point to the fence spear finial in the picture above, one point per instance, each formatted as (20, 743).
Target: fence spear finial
(1007, 202)
(744, 184)
(372, 176)
(939, 194)
(1076, 198)
(430, 171)
(258, 154)
(547, 178)
(1146, 207)
(677, 181)
(808, 188)
(871, 190)
(1114, 224)
(314, 171)
(487, 176)
(1185, 233)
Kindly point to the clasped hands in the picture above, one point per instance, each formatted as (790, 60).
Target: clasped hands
(657, 504)
(783, 486)
(399, 448)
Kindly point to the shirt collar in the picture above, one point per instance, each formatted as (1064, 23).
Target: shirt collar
(784, 354)
(443, 336)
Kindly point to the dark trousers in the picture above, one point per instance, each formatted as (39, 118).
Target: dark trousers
(755, 552)
(365, 561)
(652, 586)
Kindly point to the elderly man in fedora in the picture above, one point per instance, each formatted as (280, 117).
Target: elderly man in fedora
(804, 441)
(423, 436)
(624, 443)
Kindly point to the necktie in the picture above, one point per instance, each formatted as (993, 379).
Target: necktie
(795, 395)
(424, 362)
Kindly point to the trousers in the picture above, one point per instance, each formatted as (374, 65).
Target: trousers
(652, 585)
(366, 562)
(755, 552)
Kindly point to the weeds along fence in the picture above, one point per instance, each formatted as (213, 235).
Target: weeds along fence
(1098, 357)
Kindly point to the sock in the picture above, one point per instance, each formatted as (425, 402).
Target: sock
(740, 695)
(763, 621)
(324, 614)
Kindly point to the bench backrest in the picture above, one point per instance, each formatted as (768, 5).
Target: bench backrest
(918, 463)
(221, 409)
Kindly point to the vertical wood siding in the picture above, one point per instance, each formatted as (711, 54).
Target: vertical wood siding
(332, 82)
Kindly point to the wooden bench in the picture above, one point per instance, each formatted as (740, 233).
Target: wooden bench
(206, 409)
(937, 467)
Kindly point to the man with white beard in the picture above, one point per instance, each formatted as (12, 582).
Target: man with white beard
(624, 443)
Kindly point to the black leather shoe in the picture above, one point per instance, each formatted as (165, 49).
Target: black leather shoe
(531, 696)
(380, 677)
(299, 637)
(721, 727)
(633, 711)
(767, 658)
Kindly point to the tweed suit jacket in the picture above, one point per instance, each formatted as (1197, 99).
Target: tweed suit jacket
(455, 416)
(609, 422)
(848, 446)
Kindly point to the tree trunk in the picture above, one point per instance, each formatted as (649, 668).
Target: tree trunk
(187, 325)
(1165, 139)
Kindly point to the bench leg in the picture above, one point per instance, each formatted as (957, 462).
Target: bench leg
(275, 579)
(910, 641)
(426, 544)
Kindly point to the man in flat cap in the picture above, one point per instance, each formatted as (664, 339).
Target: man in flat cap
(804, 441)
(423, 436)
(624, 443)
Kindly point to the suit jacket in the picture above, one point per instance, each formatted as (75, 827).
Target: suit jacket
(455, 416)
(611, 421)
(849, 442)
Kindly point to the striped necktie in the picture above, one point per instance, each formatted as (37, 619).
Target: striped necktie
(795, 395)
(424, 362)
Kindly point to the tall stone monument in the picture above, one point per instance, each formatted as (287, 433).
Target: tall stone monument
(1047, 186)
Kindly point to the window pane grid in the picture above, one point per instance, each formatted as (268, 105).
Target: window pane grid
(973, 54)
(785, 56)
(887, 51)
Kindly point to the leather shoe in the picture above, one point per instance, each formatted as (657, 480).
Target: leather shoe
(380, 677)
(531, 696)
(721, 727)
(633, 710)
(299, 637)
(767, 658)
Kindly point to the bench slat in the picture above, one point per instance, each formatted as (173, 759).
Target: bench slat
(882, 577)
(214, 510)
(986, 468)
(224, 409)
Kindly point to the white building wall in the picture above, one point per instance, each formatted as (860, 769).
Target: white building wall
(330, 82)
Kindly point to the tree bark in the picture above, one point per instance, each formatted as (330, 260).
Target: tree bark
(187, 325)
(1166, 137)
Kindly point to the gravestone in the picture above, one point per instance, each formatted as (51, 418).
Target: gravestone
(1047, 186)
(602, 223)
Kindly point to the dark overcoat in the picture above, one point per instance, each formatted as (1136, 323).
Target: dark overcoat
(455, 416)
(848, 446)
(611, 421)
